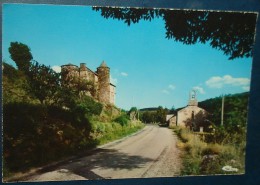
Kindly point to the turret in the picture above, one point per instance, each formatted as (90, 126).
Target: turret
(69, 69)
(83, 67)
(68, 72)
(103, 83)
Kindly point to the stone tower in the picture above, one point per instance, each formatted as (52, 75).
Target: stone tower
(83, 71)
(68, 73)
(103, 83)
(70, 69)
(193, 99)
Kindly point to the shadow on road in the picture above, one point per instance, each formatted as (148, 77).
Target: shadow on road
(102, 158)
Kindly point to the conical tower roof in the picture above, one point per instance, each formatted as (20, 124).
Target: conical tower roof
(103, 64)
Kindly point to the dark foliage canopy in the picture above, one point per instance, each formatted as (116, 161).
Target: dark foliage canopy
(235, 109)
(231, 32)
(21, 54)
(44, 81)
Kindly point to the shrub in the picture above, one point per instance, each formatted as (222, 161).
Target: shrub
(122, 119)
(208, 158)
(212, 149)
(59, 113)
(21, 123)
(37, 134)
(103, 132)
(91, 106)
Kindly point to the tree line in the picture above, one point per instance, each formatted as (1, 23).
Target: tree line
(43, 119)
(44, 84)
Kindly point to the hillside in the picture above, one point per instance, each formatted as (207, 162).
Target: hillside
(235, 108)
(149, 109)
(38, 131)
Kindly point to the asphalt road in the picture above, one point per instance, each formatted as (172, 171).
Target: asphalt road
(149, 153)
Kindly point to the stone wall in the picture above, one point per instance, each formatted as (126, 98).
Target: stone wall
(70, 73)
(172, 121)
(186, 113)
(85, 73)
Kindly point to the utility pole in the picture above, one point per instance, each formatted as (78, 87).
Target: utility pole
(137, 114)
(222, 110)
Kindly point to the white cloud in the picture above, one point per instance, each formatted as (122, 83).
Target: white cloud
(172, 87)
(165, 91)
(219, 82)
(199, 89)
(124, 74)
(113, 80)
(246, 88)
(57, 69)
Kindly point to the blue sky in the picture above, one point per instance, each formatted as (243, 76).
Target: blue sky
(148, 69)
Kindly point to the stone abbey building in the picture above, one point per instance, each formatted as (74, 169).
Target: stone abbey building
(104, 90)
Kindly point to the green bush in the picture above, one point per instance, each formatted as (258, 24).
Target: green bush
(21, 123)
(90, 106)
(202, 158)
(59, 113)
(122, 119)
(37, 134)
(103, 132)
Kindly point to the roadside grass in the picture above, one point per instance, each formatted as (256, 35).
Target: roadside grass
(201, 158)
(104, 132)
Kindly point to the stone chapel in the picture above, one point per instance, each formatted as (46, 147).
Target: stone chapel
(181, 115)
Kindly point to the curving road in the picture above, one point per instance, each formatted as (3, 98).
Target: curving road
(149, 153)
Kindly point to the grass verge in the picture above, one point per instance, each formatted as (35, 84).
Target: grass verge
(201, 158)
(104, 132)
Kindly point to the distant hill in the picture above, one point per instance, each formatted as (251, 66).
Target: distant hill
(149, 109)
(240, 99)
(235, 108)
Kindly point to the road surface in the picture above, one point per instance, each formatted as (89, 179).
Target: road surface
(149, 153)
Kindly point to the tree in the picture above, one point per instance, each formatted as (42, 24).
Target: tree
(133, 113)
(161, 114)
(148, 117)
(66, 97)
(15, 85)
(44, 81)
(201, 119)
(231, 32)
(172, 110)
(21, 55)
(133, 109)
(87, 87)
(235, 109)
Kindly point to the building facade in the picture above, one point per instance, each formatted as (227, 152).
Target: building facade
(101, 88)
(181, 115)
